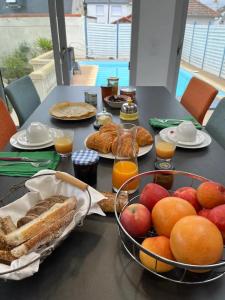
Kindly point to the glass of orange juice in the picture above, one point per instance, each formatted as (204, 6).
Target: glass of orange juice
(63, 141)
(165, 150)
(125, 163)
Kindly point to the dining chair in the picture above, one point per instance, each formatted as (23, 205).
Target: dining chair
(23, 97)
(7, 126)
(215, 125)
(198, 97)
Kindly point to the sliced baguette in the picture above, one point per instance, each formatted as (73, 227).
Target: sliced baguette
(45, 236)
(6, 257)
(32, 228)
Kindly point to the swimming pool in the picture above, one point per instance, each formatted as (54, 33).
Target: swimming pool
(120, 70)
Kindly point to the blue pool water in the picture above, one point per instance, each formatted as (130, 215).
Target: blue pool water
(120, 70)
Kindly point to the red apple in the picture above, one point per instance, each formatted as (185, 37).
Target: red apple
(211, 194)
(217, 216)
(136, 219)
(189, 194)
(151, 194)
(204, 212)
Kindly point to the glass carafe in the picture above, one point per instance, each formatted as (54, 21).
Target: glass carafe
(125, 163)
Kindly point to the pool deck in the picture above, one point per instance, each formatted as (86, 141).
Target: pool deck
(214, 80)
(87, 76)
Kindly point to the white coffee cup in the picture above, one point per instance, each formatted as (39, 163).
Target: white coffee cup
(37, 133)
(186, 132)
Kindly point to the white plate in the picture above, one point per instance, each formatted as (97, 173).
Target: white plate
(142, 150)
(22, 139)
(14, 142)
(207, 140)
(172, 136)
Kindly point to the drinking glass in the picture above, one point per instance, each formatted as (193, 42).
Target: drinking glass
(165, 150)
(125, 162)
(106, 91)
(63, 141)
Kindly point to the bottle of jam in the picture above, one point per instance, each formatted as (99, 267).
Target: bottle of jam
(85, 163)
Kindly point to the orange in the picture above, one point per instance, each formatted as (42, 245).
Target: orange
(159, 245)
(196, 240)
(168, 211)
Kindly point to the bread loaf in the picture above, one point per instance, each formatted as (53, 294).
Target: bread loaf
(7, 225)
(6, 257)
(40, 208)
(34, 227)
(107, 204)
(46, 235)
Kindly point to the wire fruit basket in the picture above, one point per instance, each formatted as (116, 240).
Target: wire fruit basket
(182, 273)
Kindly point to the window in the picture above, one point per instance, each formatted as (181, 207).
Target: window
(99, 10)
(116, 10)
(10, 1)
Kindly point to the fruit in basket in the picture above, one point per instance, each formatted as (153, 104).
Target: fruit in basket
(211, 194)
(196, 240)
(189, 194)
(217, 216)
(136, 219)
(151, 194)
(204, 212)
(159, 245)
(168, 211)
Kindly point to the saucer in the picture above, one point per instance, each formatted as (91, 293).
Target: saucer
(172, 136)
(206, 142)
(14, 142)
(22, 139)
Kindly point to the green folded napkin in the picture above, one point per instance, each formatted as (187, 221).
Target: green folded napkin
(165, 123)
(26, 169)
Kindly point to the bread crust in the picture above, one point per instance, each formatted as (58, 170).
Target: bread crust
(46, 235)
(34, 227)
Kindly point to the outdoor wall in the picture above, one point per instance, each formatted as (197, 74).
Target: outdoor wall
(156, 38)
(199, 20)
(204, 47)
(91, 11)
(13, 31)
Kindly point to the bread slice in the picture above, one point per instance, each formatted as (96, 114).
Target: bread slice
(6, 257)
(46, 235)
(32, 228)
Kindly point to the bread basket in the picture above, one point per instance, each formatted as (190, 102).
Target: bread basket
(51, 182)
(171, 180)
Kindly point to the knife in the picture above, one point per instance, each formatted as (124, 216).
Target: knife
(25, 159)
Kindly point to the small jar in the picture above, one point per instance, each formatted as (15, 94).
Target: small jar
(85, 163)
(129, 111)
(114, 83)
(90, 98)
(103, 118)
(131, 92)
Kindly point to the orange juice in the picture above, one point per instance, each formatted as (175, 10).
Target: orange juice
(122, 171)
(165, 150)
(63, 145)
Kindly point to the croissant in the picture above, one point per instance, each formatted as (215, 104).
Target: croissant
(124, 148)
(90, 143)
(100, 142)
(110, 128)
(143, 137)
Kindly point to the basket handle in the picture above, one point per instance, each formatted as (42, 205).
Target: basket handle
(71, 180)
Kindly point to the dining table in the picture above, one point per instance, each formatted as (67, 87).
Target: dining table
(91, 263)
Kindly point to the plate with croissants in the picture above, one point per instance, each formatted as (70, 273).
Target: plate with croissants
(105, 141)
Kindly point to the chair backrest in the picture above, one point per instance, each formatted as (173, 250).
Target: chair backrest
(23, 97)
(216, 124)
(198, 97)
(7, 126)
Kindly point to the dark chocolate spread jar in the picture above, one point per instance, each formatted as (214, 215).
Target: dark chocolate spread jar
(85, 164)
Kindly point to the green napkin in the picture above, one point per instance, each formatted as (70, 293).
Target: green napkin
(9, 168)
(165, 123)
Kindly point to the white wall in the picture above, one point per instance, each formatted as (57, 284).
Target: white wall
(91, 11)
(158, 28)
(13, 31)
